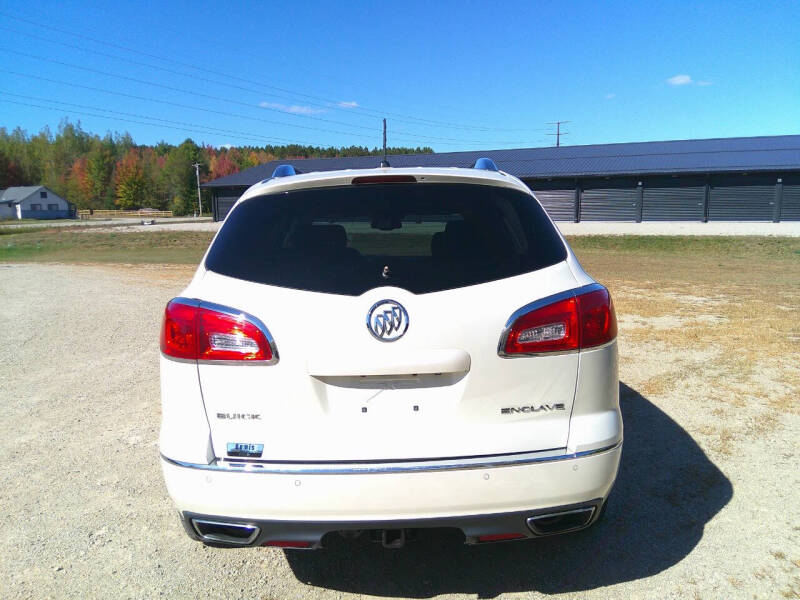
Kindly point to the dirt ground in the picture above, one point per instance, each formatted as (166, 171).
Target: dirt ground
(705, 505)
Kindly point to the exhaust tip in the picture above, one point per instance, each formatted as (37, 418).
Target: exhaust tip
(393, 538)
(561, 522)
(241, 534)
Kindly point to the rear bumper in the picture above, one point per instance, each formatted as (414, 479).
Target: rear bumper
(479, 500)
(308, 535)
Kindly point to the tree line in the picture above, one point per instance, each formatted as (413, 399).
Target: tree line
(113, 171)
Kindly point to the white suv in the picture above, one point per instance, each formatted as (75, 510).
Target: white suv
(385, 350)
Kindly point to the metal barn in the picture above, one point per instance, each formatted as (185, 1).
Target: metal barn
(724, 179)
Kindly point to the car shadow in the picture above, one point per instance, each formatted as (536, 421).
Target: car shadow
(666, 491)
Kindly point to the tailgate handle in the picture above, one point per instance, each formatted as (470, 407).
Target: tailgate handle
(408, 362)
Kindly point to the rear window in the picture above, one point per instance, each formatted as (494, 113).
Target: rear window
(422, 237)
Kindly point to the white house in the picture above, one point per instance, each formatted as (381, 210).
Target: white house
(34, 202)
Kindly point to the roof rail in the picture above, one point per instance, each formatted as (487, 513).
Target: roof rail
(283, 171)
(487, 164)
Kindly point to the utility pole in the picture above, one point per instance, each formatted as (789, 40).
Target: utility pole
(199, 202)
(385, 161)
(558, 132)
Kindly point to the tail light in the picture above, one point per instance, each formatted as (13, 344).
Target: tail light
(196, 331)
(364, 179)
(565, 323)
(287, 544)
(500, 537)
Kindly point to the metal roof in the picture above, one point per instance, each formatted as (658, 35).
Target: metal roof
(751, 154)
(17, 194)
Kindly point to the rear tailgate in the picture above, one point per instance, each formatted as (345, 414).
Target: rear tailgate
(440, 391)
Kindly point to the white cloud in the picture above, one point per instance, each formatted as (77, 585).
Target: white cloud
(350, 104)
(295, 109)
(228, 146)
(610, 96)
(683, 79)
(679, 80)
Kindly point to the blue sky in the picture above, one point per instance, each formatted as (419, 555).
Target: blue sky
(454, 76)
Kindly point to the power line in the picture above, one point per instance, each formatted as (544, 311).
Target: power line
(403, 135)
(176, 89)
(329, 103)
(178, 104)
(87, 114)
(167, 70)
(212, 130)
(192, 128)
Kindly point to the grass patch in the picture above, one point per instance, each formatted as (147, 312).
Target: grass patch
(732, 247)
(741, 260)
(54, 245)
(19, 230)
(660, 258)
(26, 221)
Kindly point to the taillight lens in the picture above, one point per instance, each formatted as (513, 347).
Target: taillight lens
(287, 544)
(500, 537)
(564, 325)
(179, 331)
(552, 328)
(364, 179)
(200, 333)
(598, 320)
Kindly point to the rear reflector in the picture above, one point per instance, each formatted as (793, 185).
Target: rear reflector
(384, 179)
(287, 544)
(500, 537)
(195, 332)
(564, 325)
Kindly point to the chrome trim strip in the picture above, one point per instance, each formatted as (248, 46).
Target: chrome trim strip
(238, 314)
(536, 304)
(523, 458)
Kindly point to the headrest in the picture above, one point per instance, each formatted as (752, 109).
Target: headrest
(461, 238)
(319, 236)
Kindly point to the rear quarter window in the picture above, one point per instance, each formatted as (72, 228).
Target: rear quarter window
(421, 237)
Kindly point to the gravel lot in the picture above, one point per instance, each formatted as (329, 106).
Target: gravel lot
(705, 505)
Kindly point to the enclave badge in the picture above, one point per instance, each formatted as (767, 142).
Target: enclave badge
(532, 409)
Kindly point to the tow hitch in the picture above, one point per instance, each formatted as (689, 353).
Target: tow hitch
(391, 538)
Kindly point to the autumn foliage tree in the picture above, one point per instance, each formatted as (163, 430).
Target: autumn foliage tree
(129, 181)
(113, 171)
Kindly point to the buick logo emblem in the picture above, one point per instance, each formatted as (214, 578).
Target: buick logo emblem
(387, 320)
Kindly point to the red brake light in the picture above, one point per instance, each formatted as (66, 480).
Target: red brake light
(551, 328)
(598, 320)
(179, 331)
(500, 537)
(563, 325)
(384, 179)
(199, 333)
(287, 544)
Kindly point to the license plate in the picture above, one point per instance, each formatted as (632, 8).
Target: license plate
(248, 450)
